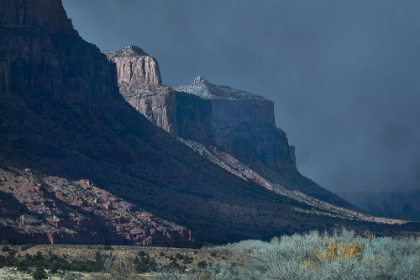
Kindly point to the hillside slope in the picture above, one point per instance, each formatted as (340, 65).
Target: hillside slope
(223, 120)
(78, 164)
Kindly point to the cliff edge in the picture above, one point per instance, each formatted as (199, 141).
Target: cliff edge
(135, 68)
(46, 14)
(225, 120)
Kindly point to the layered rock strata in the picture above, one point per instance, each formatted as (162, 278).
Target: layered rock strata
(240, 123)
(135, 68)
(237, 122)
(35, 63)
(80, 165)
(52, 81)
(46, 14)
(243, 125)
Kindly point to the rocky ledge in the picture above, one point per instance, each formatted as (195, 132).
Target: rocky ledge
(135, 68)
(202, 88)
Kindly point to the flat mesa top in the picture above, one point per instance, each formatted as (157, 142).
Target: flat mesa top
(129, 51)
(202, 88)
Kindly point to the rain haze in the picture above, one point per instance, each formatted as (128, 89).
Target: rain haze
(343, 75)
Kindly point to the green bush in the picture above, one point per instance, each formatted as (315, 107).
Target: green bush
(179, 256)
(107, 247)
(202, 264)
(142, 253)
(5, 248)
(27, 246)
(39, 274)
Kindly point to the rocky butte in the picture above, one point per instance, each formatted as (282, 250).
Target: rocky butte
(237, 123)
(232, 128)
(78, 164)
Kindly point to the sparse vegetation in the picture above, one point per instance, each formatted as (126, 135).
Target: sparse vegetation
(323, 256)
(39, 274)
(308, 257)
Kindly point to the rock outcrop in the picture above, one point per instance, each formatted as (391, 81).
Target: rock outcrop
(237, 122)
(135, 68)
(243, 125)
(181, 114)
(80, 165)
(43, 56)
(46, 14)
(240, 123)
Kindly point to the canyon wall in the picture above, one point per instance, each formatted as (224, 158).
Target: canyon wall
(239, 123)
(78, 164)
(46, 14)
(43, 56)
(243, 125)
(135, 68)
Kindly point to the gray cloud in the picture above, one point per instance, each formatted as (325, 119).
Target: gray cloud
(344, 75)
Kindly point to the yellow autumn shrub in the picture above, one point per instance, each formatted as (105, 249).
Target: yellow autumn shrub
(351, 250)
(330, 253)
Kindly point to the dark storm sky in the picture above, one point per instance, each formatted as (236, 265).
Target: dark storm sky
(343, 75)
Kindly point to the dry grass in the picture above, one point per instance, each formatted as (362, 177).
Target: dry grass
(162, 255)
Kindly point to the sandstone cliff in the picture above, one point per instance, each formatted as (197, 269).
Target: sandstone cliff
(243, 125)
(46, 14)
(237, 122)
(50, 81)
(240, 123)
(135, 68)
(36, 63)
(79, 165)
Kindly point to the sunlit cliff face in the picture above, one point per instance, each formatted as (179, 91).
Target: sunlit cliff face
(342, 74)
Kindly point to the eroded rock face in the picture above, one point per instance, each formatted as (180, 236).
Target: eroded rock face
(240, 123)
(181, 114)
(79, 165)
(62, 67)
(243, 125)
(135, 67)
(47, 14)
(237, 122)
(45, 67)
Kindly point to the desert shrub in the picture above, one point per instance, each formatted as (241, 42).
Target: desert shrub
(322, 256)
(51, 262)
(5, 248)
(145, 264)
(27, 246)
(187, 259)
(202, 264)
(330, 253)
(142, 253)
(39, 274)
(107, 247)
(119, 270)
(351, 250)
(179, 256)
(123, 270)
